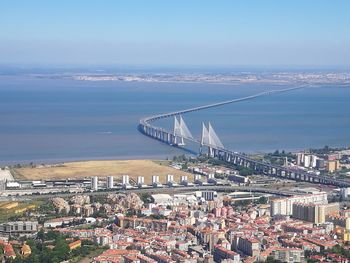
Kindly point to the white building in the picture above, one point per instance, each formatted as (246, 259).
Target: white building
(284, 206)
(307, 160)
(110, 182)
(300, 159)
(162, 199)
(345, 193)
(125, 181)
(198, 179)
(140, 181)
(94, 183)
(155, 181)
(184, 180)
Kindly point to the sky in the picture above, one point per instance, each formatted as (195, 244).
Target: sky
(181, 32)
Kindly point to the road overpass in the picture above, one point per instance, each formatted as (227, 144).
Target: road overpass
(163, 190)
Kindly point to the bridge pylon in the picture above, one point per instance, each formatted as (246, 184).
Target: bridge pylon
(210, 139)
(181, 132)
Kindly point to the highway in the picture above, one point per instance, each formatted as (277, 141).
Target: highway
(164, 190)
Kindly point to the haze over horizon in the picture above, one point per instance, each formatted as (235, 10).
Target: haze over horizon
(183, 33)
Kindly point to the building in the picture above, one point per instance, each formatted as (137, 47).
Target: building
(115, 255)
(19, 227)
(320, 164)
(221, 253)
(332, 166)
(125, 180)
(94, 183)
(60, 205)
(300, 159)
(140, 181)
(184, 180)
(284, 206)
(345, 193)
(307, 160)
(74, 245)
(170, 180)
(198, 179)
(139, 223)
(248, 245)
(339, 220)
(209, 195)
(9, 252)
(315, 213)
(288, 255)
(155, 181)
(25, 250)
(110, 182)
(238, 178)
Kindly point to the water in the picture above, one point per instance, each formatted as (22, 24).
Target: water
(44, 120)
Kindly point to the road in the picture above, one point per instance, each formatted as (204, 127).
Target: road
(164, 190)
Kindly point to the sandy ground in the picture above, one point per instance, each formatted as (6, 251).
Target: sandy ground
(5, 175)
(115, 168)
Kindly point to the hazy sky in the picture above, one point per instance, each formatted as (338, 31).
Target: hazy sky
(178, 32)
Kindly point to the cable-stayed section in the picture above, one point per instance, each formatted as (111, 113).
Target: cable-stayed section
(185, 132)
(209, 137)
(204, 135)
(177, 127)
(213, 138)
(181, 131)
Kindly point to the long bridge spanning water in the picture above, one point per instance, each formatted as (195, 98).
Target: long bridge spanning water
(209, 139)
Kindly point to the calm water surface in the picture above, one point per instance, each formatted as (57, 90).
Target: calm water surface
(43, 120)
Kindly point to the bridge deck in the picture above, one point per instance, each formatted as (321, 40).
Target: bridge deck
(146, 124)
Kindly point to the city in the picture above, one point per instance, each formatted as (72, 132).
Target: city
(188, 131)
(226, 213)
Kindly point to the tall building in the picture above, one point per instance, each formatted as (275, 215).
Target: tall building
(332, 166)
(209, 195)
(140, 181)
(345, 193)
(110, 182)
(315, 213)
(125, 180)
(94, 183)
(307, 160)
(284, 206)
(169, 178)
(314, 159)
(320, 164)
(300, 159)
(155, 180)
(184, 180)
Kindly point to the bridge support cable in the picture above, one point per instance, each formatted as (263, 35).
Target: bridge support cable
(210, 139)
(181, 131)
(213, 138)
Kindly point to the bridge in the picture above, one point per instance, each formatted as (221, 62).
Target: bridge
(210, 140)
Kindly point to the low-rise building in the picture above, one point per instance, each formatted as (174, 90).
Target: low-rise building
(288, 255)
(19, 227)
(221, 253)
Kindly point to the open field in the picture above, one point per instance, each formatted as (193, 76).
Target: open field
(116, 168)
(10, 209)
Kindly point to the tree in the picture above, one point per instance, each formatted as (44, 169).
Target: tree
(263, 200)
(147, 198)
(272, 260)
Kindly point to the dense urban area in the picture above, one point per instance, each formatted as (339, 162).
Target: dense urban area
(217, 213)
